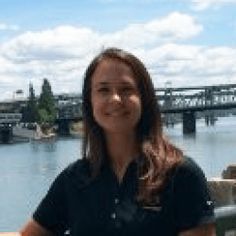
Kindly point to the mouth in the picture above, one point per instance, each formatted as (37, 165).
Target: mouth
(117, 113)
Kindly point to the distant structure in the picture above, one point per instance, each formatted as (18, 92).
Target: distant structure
(184, 104)
(189, 102)
(7, 121)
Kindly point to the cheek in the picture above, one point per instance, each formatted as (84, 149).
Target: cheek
(96, 109)
(137, 104)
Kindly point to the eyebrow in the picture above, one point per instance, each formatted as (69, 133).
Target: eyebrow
(108, 83)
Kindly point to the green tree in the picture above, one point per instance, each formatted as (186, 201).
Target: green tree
(32, 105)
(46, 105)
(30, 113)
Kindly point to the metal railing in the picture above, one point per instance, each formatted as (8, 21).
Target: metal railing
(226, 220)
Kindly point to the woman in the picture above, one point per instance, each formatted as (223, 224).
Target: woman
(131, 180)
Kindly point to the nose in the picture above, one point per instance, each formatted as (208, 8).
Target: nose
(116, 97)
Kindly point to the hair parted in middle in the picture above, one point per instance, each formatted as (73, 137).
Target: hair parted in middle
(159, 155)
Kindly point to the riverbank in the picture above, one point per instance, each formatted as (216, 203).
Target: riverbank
(25, 134)
(37, 132)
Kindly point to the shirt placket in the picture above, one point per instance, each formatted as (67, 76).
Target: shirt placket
(116, 200)
(121, 191)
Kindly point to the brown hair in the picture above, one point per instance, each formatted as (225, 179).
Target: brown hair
(160, 156)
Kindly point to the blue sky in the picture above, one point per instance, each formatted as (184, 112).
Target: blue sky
(186, 42)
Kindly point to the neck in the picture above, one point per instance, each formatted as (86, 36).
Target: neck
(122, 149)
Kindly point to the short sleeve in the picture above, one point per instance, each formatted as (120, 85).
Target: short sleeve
(192, 204)
(51, 210)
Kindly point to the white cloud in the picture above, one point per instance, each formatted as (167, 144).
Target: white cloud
(62, 54)
(192, 65)
(67, 42)
(61, 43)
(172, 28)
(204, 4)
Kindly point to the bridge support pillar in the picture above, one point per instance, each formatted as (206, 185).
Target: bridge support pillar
(6, 133)
(189, 122)
(169, 120)
(210, 118)
(63, 127)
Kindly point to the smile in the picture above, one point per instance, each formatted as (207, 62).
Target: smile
(117, 114)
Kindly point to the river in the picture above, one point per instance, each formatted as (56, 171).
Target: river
(27, 169)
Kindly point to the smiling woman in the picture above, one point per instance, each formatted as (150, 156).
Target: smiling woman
(115, 97)
(130, 180)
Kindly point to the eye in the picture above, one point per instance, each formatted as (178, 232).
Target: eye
(127, 90)
(103, 90)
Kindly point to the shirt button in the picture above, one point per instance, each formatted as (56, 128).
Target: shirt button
(116, 201)
(113, 215)
(117, 224)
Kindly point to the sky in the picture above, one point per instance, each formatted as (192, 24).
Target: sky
(181, 42)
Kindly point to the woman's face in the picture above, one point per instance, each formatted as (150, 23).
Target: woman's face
(115, 98)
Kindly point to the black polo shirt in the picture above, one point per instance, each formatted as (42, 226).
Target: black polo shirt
(77, 206)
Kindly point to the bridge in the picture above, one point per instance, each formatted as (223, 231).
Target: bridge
(7, 120)
(184, 104)
(204, 101)
(175, 100)
(69, 110)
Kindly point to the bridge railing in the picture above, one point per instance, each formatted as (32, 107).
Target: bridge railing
(226, 220)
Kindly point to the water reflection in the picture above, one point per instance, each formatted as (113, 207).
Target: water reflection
(47, 145)
(214, 148)
(27, 170)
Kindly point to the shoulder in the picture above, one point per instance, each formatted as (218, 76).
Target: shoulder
(80, 168)
(189, 179)
(77, 173)
(191, 201)
(189, 164)
(189, 186)
(188, 168)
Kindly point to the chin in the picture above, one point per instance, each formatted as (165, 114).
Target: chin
(119, 129)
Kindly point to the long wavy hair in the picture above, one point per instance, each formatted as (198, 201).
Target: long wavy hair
(159, 156)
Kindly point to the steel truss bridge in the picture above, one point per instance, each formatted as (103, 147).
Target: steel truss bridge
(196, 102)
(184, 104)
(201, 98)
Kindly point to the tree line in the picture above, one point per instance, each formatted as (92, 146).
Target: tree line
(40, 109)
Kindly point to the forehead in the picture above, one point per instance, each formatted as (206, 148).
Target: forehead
(113, 71)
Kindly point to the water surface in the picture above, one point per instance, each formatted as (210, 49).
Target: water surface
(27, 169)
